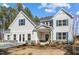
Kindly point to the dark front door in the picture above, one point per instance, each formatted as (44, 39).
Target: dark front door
(46, 37)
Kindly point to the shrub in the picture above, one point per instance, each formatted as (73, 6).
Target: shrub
(24, 44)
(42, 46)
(33, 42)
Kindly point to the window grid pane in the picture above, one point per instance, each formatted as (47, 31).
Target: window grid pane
(14, 36)
(8, 37)
(29, 36)
(22, 22)
(65, 22)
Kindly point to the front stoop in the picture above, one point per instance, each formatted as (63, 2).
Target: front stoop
(44, 43)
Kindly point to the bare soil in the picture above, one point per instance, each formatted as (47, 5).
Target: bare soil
(34, 50)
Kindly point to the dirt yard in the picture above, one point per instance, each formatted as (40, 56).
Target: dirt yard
(32, 50)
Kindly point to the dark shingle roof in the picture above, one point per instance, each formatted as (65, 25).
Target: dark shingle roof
(45, 18)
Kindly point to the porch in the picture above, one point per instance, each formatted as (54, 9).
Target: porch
(44, 34)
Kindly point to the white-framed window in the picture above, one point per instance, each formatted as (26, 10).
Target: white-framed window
(65, 22)
(62, 35)
(14, 36)
(51, 23)
(46, 22)
(21, 22)
(29, 36)
(8, 37)
(62, 22)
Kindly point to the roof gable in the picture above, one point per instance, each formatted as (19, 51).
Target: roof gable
(43, 26)
(21, 12)
(63, 10)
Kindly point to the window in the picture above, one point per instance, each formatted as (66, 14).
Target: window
(62, 22)
(23, 37)
(58, 36)
(8, 37)
(51, 22)
(46, 23)
(65, 22)
(29, 36)
(20, 37)
(59, 22)
(14, 36)
(21, 22)
(63, 35)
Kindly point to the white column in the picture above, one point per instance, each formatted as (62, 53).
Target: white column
(51, 36)
(48, 23)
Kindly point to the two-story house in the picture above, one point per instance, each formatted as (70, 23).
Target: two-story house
(54, 28)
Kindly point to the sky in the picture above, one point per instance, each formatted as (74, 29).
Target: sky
(47, 9)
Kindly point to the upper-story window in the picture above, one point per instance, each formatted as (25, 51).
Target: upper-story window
(21, 22)
(62, 22)
(51, 22)
(46, 22)
(65, 22)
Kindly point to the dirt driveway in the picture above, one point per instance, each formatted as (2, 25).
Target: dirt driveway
(35, 51)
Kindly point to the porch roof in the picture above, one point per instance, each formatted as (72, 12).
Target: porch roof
(43, 27)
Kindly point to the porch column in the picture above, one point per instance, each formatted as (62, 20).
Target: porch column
(51, 36)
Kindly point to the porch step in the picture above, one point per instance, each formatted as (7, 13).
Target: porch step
(43, 43)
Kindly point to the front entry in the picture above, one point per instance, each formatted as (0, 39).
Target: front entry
(44, 36)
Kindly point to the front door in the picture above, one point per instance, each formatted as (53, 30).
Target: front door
(46, 37)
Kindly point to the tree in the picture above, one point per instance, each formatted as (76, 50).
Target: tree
(28, 13)
(36, 20)
(19, 7)
(11, 16)
(10, 13)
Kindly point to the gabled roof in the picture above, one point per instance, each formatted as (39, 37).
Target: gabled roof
(21, 12)
(66, 12)
(43, 25)
(46, 18)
